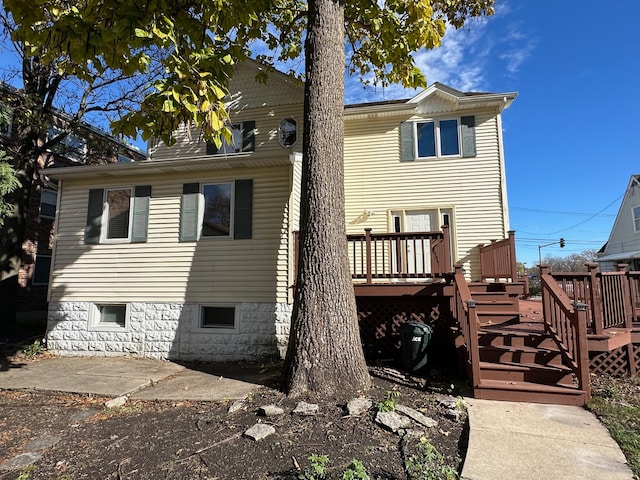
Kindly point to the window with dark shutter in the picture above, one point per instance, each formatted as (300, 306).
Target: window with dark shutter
(189, 212)
(242, 140)
(243, 209)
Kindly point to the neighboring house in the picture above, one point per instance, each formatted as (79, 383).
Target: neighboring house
(89, 147)
(190, 254)
(623, 245)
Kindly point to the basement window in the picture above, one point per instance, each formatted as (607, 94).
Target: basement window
(221, 318)
(109, 316)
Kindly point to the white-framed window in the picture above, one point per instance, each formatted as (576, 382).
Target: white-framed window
(71, 146)
(288, 132)
(41, 270)
(221, 318)
(117, 213)
(48, 201)
(635, 211)
(217, 217)
(109, 316)
(437, 138)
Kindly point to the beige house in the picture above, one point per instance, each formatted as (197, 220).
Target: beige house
(190, 254)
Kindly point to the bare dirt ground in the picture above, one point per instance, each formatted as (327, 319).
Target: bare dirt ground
(75, 437)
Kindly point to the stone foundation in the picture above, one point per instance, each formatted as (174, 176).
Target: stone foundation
(170, 331)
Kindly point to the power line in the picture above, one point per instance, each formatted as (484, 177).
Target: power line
(577, 224)
(558, 212)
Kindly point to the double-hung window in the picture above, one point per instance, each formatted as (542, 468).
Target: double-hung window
(433, 138)
(636, 218)
(242, 140)
(48, 200)
(220, 209)
(70, 146)
(118, 214)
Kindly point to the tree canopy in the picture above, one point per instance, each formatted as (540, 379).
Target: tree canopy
(197, 42)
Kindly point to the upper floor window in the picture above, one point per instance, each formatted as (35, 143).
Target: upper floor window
(636, 218)
(242, 140)
(48, 200)
(438, 138)
(288, 132)
(71, 146)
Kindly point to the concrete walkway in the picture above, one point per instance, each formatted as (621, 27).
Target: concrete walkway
(511, 440)
(507, 440)
(139, 378)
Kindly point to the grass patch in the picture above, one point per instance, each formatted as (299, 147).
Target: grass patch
(619, 410)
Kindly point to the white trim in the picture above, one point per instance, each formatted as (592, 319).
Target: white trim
(212, 329)
(633, 217)
(503, 180)
(95, 324)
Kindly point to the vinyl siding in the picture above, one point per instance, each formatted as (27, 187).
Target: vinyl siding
(266, 104)
(165, 270)
(376, 180)
(623, 237)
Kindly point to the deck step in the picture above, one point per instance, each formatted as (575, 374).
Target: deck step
(526, 372)
(529, 392)
(520, 354)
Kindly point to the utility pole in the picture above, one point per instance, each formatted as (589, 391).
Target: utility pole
(540, 247)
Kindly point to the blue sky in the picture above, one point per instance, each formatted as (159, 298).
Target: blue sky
(569, 140)
(569, 137)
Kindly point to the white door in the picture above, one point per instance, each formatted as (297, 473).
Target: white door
(418, 251)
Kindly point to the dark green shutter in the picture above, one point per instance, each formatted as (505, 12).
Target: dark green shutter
(468, 134)
(243, 207)
(407, 152)
(211, 148)
(94, 216)
(248, 136)
(140, 214)
(189, 212)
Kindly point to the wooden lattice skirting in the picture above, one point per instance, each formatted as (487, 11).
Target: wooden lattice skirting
(619, 362)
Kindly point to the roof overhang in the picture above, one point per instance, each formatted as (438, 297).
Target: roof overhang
(619, 256)
(175, 165)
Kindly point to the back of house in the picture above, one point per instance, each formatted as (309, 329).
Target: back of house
(190, 254)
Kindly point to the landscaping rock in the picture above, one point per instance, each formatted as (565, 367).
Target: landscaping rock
(236, 406)
(270, 411)
(260, 431)
(306, 409)
(393, 421)
(116, 402)
(42, 443)
(20, 461)
(416, 416)
(358, 406)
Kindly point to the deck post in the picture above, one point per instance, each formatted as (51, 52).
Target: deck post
(512, 253)
(595, 299)
(474, 349)
(367, 236)
(582, 354)
(626, 296)
(445, 267)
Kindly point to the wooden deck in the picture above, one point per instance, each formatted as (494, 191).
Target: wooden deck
(509, 349)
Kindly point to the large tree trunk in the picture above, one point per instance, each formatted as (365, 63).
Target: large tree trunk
(325, 354)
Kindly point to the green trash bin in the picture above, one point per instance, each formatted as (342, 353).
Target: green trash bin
(414, 338)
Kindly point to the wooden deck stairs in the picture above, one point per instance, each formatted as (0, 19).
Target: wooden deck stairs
(517, 359)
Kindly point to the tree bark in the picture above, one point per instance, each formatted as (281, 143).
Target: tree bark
(325, 354)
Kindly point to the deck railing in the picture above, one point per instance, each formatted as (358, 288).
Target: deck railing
(609, 296)
(467, 317)
(498, 260)
(566, 322)
(399, 255)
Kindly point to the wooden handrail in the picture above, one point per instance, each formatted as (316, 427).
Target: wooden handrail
(566, 323)
(467, 319)
(498, 259)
